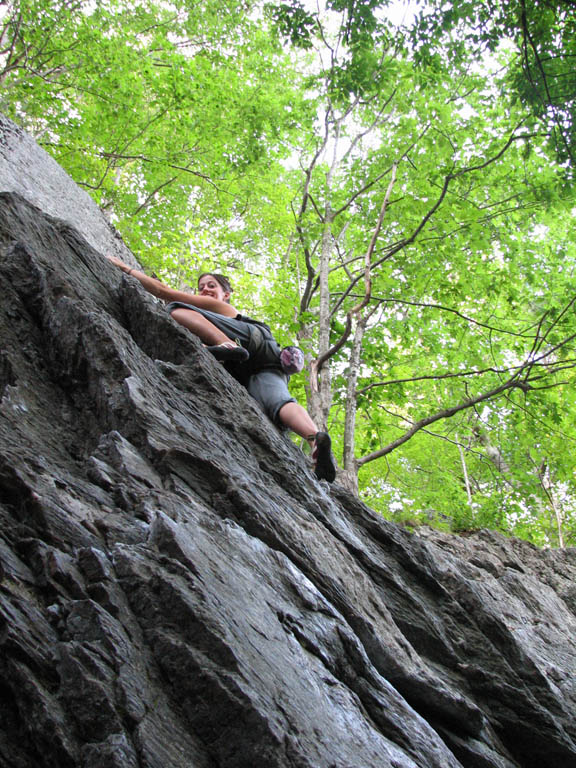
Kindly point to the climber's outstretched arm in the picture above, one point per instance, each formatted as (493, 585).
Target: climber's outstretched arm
(161, 291)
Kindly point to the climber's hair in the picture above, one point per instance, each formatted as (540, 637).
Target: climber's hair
(222, 279)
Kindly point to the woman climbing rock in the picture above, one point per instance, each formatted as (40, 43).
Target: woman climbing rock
(249, 349)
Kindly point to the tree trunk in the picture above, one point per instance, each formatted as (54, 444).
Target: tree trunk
(348, 459)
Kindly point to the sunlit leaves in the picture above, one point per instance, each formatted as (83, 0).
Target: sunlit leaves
(233, 136)
(154, 108)
(293, 22)
(542, 34)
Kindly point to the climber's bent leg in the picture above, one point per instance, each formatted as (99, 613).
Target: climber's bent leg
(200, 326)
(297, 418)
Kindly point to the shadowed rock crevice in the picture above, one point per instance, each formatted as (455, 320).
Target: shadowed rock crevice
(176, 587)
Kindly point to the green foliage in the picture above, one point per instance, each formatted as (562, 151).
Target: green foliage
(156, 109)
(542, 75)
(486, 285)
(293, 22)
(259, 141)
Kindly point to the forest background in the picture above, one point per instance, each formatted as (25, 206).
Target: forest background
(390, 186)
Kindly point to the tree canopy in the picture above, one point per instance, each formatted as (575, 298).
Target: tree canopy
(395, 195)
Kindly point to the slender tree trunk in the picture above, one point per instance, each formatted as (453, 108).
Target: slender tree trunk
(465, 472)
(321, 381)
(324, 378)
(548, 488)
(558, 516)
(350, 468)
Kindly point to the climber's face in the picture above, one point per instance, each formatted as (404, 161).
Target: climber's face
(209, 286)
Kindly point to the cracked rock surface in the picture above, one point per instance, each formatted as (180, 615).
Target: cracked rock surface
(177, 589)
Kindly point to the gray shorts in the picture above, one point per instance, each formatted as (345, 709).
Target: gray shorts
(270, 390)
(269, 387)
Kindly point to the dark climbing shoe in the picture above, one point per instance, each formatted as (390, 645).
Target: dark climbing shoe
(324, 464)
(229, 353)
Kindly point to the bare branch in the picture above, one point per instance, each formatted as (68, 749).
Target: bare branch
(553, 368)
(428, 215)
(159, 161)
(368, 260)
(519, 380)
(374, 181)
(360, 135)
(444, 414)
(451, 310)
(557, 320)
(435, 377)
(311, 273)
(458, 443)
(367, 279)
(153, 194)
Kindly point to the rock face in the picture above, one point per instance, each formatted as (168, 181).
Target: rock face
(26, 169)
(177, 590)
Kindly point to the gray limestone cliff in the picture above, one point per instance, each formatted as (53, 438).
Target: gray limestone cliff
(177, 590)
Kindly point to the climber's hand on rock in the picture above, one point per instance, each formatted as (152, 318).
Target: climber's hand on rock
(118, 263)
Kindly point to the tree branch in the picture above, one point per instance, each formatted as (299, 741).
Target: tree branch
(451, 310)
(367, 279)
(444, 414)
(519, 380)
(311, 273)
(428, 215)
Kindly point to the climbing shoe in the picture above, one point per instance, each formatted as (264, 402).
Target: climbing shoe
(229, 352)
(324, 464)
